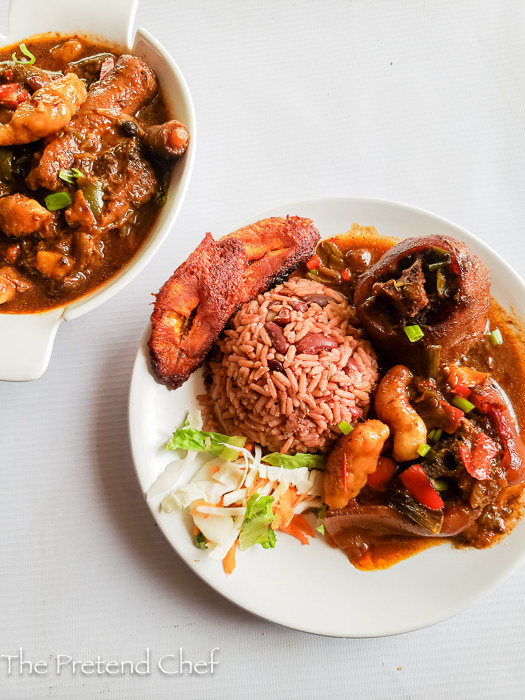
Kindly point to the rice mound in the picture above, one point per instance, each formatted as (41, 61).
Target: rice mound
(289, 402)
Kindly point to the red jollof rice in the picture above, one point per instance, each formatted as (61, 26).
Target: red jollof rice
(297, 409)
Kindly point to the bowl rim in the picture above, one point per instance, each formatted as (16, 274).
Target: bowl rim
(21, 360)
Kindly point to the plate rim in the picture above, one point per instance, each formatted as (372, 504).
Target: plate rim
(142, 357)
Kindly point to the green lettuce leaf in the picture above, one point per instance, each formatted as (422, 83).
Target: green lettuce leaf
(201, 441)
(200, 540)
(275, 459)
(256, 526)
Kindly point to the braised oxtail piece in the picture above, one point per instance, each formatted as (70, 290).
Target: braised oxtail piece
(424, 302)
(194, 305)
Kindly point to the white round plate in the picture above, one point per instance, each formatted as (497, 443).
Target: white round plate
(314, 588)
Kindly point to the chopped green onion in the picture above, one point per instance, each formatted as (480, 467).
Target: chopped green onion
(431, 455)
(441, 251)
(345, 427)
(431, 434)
(462, 404)
(437, 435)
(414, 333)
(437, 265)
(320, 529)
(200, 540)
(440, 484)
(57, 200)
(30, 58)
(495, 337)
(423, 449)
(427, 360)
(70, 176)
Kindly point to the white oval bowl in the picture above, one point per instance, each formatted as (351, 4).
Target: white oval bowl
(315, 588)
(27, 339)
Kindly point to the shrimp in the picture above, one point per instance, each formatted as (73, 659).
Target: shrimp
(392, 406)
(352, 459)
(47, 111)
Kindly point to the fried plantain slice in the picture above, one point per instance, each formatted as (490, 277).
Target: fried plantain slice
(194, 305)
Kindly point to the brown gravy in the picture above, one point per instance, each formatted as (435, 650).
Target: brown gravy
(505, 363)
(116, 247)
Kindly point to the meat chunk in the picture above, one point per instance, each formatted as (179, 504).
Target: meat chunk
(79, 214)
(124, 90)
(194, 305)
(453, 315)
(131, 184)
(22, 216)
(406, 293)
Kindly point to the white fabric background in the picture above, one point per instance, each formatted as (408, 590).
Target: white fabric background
(417, 101)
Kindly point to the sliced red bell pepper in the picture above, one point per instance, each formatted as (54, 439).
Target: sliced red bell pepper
(465, 376)
(419, 486)
(477, 461)
(8, 89)
(490, 402)
(484, 450)
(464, 453)
(384, 472)
(513, 450)
(461, 390)
(346, 275)
(314, 262)
(453, 414)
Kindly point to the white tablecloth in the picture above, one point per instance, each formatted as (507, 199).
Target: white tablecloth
(421, 102)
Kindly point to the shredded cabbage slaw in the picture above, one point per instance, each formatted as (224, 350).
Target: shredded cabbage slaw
(239, 497)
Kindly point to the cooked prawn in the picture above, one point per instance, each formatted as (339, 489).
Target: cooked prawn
(351, 461)
(47, 111)
(393, 407)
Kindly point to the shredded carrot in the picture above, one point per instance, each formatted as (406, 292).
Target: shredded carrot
(285, 506)
(255, 486)
(215, 469)
(300, 528)
(249, 447)
(229, 560)
(195, 530)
